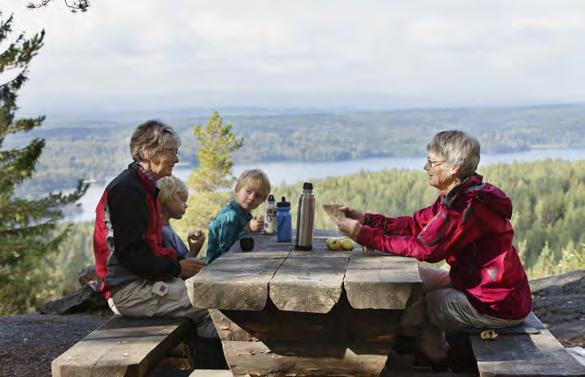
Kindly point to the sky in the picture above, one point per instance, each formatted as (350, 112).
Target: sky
(173, 54)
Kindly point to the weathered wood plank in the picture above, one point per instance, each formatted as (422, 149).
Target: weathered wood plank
(227, 329)
(121, 347)
(380, 281)
(211, 373)
(318, 359)
(273, 324)
(524, 355)
(308, 283)
(237, 284)
(264, 246)
(343, 325)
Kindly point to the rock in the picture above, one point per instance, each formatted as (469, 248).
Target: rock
(88, 276)
(559, 298)
(83, 299)
(554, 283)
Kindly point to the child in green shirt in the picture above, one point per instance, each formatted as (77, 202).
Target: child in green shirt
(235, 220)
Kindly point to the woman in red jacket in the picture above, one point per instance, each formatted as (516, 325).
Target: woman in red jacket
(139, 276)
(469, 227)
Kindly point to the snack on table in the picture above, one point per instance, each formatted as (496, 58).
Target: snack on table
(333, 211)
(339, 243)
(488, 335)
(197, 235)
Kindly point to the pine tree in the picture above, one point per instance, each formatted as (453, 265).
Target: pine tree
(210, 184)
(27, 227)
(217, 143)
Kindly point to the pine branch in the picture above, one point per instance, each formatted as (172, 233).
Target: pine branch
(78, 5)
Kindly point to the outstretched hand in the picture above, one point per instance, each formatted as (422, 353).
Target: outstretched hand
(349, 227)
(353, 214)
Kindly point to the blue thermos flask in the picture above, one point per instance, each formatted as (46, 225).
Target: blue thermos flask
(283, 221)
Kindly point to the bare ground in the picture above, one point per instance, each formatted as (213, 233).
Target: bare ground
(28, 343)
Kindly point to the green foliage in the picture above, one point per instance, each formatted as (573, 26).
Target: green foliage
(548, 198)
(62, 268)
(557, 247)
(217, 143)
(208, 183)
(99, 149)
(26, 226)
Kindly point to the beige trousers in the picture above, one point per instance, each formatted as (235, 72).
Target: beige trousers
(437, 307)
(142, 298)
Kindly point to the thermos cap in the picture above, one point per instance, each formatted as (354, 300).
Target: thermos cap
(283, 203)
(270, 198)
(307, 186)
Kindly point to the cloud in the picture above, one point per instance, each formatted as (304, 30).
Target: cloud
(451, 50)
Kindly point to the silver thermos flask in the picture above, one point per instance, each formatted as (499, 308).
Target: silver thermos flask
(305, 218)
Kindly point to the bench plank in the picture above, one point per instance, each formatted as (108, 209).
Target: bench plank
(211, 373)
(317, 359)
(308, 283)
(524, 355)
(121, 347)
(233, 283)
(380, 281)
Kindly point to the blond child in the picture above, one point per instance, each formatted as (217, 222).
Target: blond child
(173, 197)
(234, 220)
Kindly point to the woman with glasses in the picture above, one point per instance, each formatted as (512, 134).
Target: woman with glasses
(139, 276)
(469, 227)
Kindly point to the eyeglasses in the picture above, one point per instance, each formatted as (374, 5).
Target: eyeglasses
(172, 151)
(431, 164)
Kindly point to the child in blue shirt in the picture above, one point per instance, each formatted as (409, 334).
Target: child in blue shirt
(173, 197)
(234, 220)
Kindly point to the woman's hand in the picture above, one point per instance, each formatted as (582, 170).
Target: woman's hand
(353, 214)
(349, 227)
(196, 241)
(256, 224)
(191, 266)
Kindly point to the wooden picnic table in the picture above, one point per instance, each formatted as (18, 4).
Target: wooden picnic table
(279, 311)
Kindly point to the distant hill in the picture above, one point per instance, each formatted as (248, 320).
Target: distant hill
(99, 148)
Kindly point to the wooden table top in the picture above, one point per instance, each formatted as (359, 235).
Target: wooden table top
(303, 281)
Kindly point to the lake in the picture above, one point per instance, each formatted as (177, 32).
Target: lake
(294, 172)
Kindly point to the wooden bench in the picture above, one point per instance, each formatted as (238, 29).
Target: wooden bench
(211, 373)
(527, 350)
(122, 347)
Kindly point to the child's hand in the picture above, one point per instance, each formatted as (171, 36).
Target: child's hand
(196, 241)
(257, 224)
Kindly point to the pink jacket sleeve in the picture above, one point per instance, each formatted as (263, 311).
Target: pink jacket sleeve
(403, 225)
(440, 231)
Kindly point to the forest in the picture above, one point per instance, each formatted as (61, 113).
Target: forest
(549, 213)
(98, 149)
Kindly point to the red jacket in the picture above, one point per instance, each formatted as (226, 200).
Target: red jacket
(127, 240)
(470, 228)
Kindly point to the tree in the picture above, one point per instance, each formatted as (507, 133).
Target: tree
(211, 183)
(27, 226)
(77, 5)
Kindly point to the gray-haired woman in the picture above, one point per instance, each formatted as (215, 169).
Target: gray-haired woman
(469, 227)
(140, 277)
